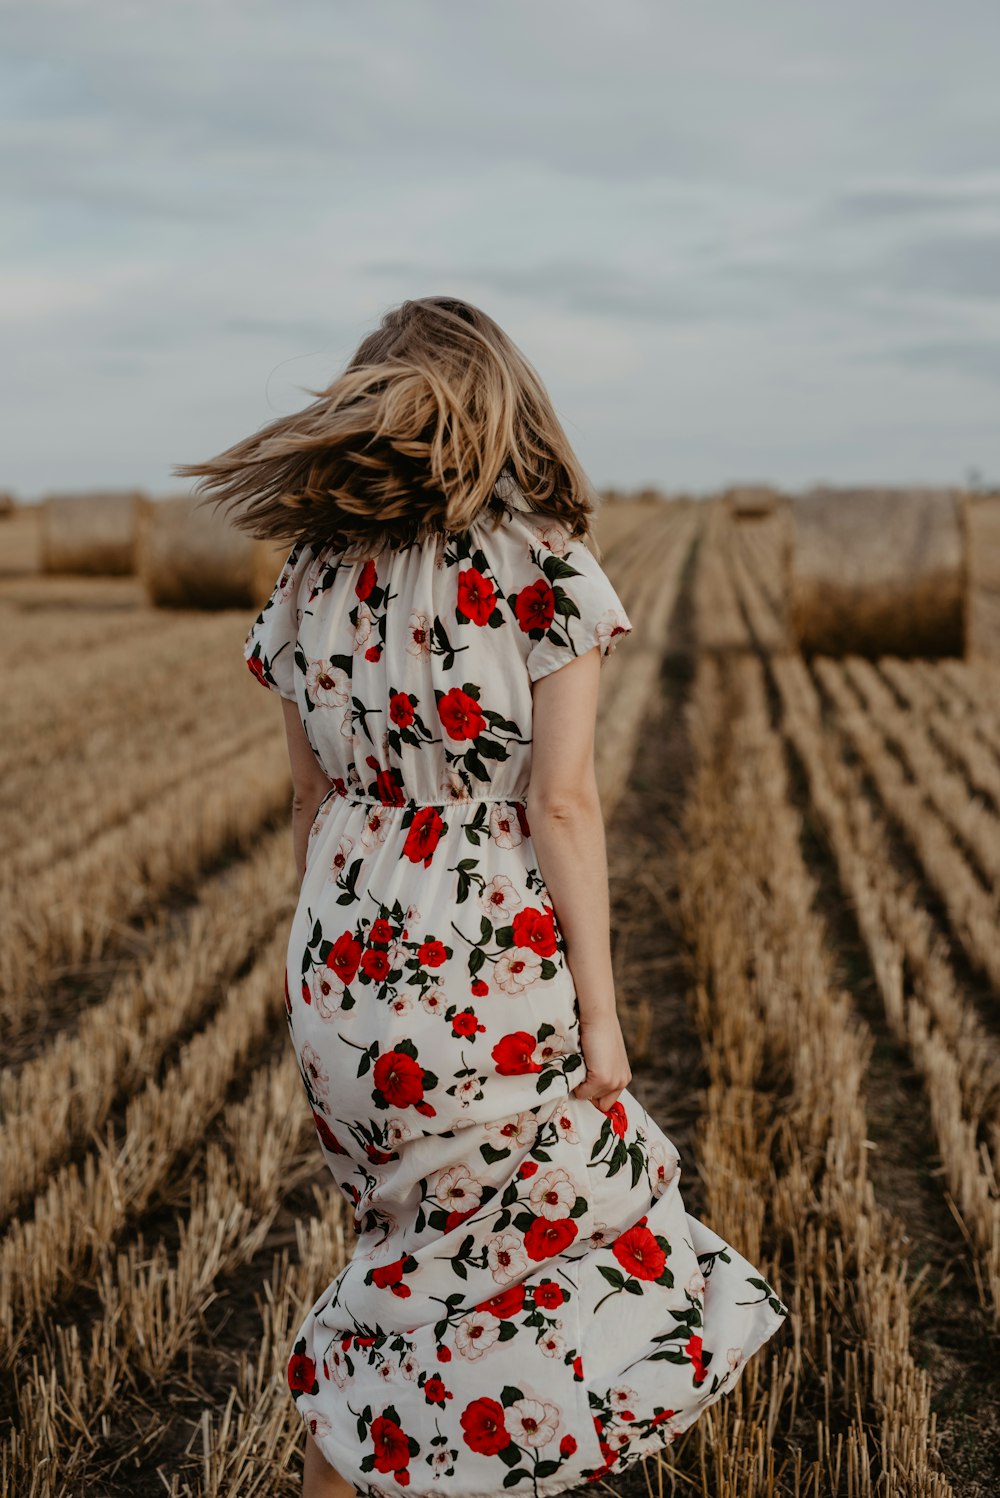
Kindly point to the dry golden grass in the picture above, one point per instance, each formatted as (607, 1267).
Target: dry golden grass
(156, 1141)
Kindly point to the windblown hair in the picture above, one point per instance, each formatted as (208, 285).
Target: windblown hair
(437, 418)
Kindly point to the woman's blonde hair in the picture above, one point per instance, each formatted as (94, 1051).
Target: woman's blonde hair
(437, 417)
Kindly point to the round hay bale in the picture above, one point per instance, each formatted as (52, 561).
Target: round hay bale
(981, 520)
(877, 572)
(91, 533)
(190, 556)
(752, 501)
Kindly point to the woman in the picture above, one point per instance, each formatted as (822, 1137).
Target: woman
(528, 1306)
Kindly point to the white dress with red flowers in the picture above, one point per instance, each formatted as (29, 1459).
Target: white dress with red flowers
(528, 1307)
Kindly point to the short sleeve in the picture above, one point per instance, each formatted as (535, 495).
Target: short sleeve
(269, 648)
(575, 605)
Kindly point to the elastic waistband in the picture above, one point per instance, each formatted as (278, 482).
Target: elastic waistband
(412, 802)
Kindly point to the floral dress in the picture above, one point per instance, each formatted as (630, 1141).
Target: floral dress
(528, 1306)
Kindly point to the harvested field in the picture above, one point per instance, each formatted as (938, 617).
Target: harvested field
(805, 871)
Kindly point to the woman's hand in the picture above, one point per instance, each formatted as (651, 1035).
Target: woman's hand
(608, 1071)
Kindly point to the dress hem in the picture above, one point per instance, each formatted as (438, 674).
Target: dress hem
(654, 1441)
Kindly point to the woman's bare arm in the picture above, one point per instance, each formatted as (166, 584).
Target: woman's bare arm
(567, 829)
(310, 783)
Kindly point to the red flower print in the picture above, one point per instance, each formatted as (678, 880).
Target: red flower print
(364, 585)
(455, 1217)
(506, 1304)
(567, 1445)
(461, 715)
(548, 1236)
(375, 963)
(301, 1374)
(390, 1277)
(578, 1366)
(373, 652)
(381, 930)
(693, 1349)
(662, 1415)
(345, 954)
(390, 792)
(466, 1023)
(638, 1252)
(431, 953)
(548, 1295)
(535, 605)
(535, 929)
(399, 1079)
(256, 665)
(479, 988)
(435, 1391)
(619, 1118)
(476, 596)
(513, 1053)
(392, 1449)
(328, 1138)
(522, 818)
(444, 1354)
(483, 1424)
(401, 709)
(423, 834)
(528, 1168)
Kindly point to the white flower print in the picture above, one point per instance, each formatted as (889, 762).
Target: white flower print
(734, 1357)
(603, 1234)
(312, 1065)
(606, 626)
(453, 787)
(435, 1000)
(419, 629)
(456, 1188)
(552, 1343)
(696, 1284)
(386, 1372)
(506, 1257)
(517, 1131)
(337, 1363)
(318, 1424)
(327, 685)
(327, 991)
(505, 829)
(499, 897)
(664, 1167)
(342, 854)
(397, 1130)
(467, 1090)
(517, 969)
(364, 628)
(553, 1194)
(409, 1367)
(376, 828)
(532, 1422)
(548, 1050)
(623, 1399)
(476, 1333)
(565, 1127)
(401, 1004)
(552, 536)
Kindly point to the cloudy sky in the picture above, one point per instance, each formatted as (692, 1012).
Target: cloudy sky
(739, 242)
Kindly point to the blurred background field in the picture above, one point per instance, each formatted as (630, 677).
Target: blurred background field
(799, 762)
